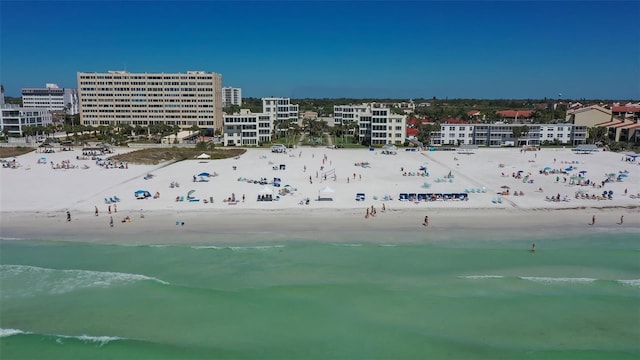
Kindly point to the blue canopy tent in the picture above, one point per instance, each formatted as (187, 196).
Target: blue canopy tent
(142, 194)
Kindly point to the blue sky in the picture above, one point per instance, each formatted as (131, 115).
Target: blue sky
(456, 49)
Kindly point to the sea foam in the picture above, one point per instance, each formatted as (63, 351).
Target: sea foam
(11, 332)
(100, 340)
(62, 281)
(630, 282)
(555, 280)
(476, 277)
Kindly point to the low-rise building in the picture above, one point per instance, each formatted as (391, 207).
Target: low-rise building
(501, 134)
(13, 119)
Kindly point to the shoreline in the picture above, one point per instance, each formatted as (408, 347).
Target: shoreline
(325, 225)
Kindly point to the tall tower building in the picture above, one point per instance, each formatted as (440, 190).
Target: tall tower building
(231, 96)
(120, 97)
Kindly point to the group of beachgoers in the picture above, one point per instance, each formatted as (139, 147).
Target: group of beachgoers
(371, 212)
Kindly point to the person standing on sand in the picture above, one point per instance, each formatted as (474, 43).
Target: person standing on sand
(111, 221)
(96, 211)
(366, 216)
(68, 215)
(426, 221)
(593, 220)
(115, 208)
(621, 220)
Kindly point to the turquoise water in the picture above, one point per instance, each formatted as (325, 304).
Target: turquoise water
(577, 297)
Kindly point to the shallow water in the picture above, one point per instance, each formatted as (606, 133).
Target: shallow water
(349, 296)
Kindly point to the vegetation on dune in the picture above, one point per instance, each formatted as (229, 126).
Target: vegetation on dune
(7, 152)
(154, 156)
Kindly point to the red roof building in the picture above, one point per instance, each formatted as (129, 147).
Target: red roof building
(516, 115)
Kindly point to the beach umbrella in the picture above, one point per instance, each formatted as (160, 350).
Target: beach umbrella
(623, 175)
(505, 187)
(570, 168)
(204, 174)
(582, 172)
(190, 193)
(141, 192)
(547, 168)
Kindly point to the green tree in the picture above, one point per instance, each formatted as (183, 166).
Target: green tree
(520, 132)
(597, 134)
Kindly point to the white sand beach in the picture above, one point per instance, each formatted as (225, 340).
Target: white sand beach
(35, 196)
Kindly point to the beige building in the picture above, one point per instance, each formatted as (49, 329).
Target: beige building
(589, 116)
(120, 97)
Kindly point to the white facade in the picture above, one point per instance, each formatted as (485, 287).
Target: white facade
(502, 134)
(13, 118)
(247, 128)
(231, 96)
(120, 97)
(52, 98)
(280, 109)
(376, 125)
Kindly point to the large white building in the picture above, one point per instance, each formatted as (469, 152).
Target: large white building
(231, 96)
(120, 97)
(502, 134)
(376, 125)
(247, 128)
(280, 110)
(52, 98)
(14, 118)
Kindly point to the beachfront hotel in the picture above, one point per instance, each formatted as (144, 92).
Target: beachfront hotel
(52, 98)
(120, 97)
(231, 96)
(376, 125)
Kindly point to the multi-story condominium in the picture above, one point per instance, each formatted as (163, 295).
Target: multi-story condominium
(376, 125)
(120, 97)
(231, 96)
(503, 134)
(280, 109)
(52, 98)
(247, 128)
(13, 119)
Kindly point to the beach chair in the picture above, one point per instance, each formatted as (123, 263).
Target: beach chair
(117, 199)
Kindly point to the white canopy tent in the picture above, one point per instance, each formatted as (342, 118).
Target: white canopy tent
(326, 194)
(203, 156)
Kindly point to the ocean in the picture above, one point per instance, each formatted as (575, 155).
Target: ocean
(457, 295)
